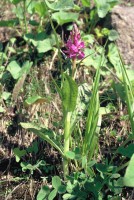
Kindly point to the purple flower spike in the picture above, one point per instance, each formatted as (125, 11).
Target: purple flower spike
(75, 45)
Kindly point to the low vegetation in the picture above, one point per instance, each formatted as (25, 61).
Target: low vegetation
(67, 103)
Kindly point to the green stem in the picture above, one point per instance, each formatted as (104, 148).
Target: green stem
(73, 68)
(56, 39)
(66, 142)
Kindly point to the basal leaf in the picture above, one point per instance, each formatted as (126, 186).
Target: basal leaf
(69, 94)
(128, 179)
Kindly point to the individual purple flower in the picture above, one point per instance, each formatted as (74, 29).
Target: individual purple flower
(75, 45)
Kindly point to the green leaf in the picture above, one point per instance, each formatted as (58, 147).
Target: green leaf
(113, 35)
(84, 95)
(33, 148)
(127, 151)
(5, 95)
(69, 94)
(61, 189)
(84, 161)
(56, 182)
(25, 68)
(43, 193)
(41, 9)
(94, 58)
(114, 58)
(70, 154)
(69, 196)
(15, 1)
(103, 10)
(9, 23)
(19, 153)
(128, 179)
(41, 41)
(2, 110)
(14, 68)
(44, 46)
(52, 195)
(26, 166)
(60, 5)
(34, 100)
(68, 17)
(45, 134)
(85, 3)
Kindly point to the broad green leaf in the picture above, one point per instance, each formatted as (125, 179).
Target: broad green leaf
(31, 6)
(18, 153)
(68, 17)
(5, 95)
(41, 41)
(41, 9)
(56, 182)
(114, 58)
(52, 194)
(61, 189)
(113, 35)
(14, 68)
(69, 196)
(116, 185)
(2, 110)
(70, 154)
(120, 90)
(16, 1)
(69, 94)
(45, 134)
(128, 179)
(94, 58)
(25, 68)
(43, 193)
(103, 10)
(127, 151)
(84, 95)
(44, 46)
(34, 100)
(60, 5)
(85, 3)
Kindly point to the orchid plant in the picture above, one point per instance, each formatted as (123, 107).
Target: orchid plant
(69, 95)
(75, 47)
